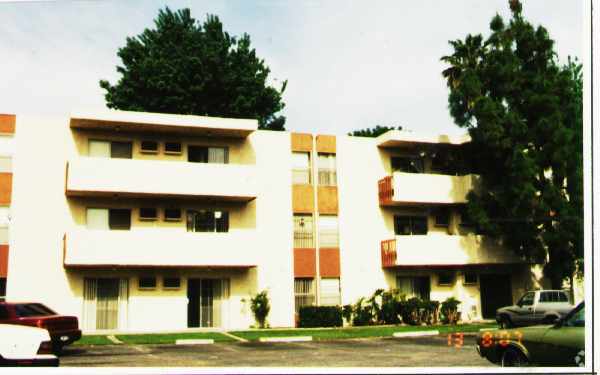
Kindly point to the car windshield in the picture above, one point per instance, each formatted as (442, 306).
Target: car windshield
(527, 299)
(577, 319)
(32, 309)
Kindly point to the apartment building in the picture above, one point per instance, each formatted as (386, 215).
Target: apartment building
(145, 222)
(7, 131)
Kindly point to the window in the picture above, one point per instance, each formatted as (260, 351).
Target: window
(442, 217)
(4, 222)
(172, 214)
(202, 154)
(304, 293)
(414, 286)
(446, 278)
(32, 309)
(527, 299)
(330, 292)
(148, 213)
(147, 282)
(303, 231)
(97, 218)
(553, 296)
(171, 283)
(410, 225)
(149, 147)
(300, 168)
(328, 231)
(207, 221)
(119, 219)
(5, 164)
(408, 164)
(173, 148)
(576, 319)
(120, 150)
(470, 278)
(327, 170)
(109, 149)
(2, 292)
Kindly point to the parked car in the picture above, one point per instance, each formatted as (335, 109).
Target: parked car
(535, 307)
(25, 346)
(560, 344)
(63, 330)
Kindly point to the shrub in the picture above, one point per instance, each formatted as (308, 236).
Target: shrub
(320, 316)
(430, 312)
(347, 313)
(390, 307)
(362, 313)
(260, 307)
(411, 311)
(449, 311)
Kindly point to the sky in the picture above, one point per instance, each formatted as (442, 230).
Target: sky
(349, 65)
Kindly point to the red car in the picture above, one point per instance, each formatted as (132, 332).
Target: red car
(63, 330)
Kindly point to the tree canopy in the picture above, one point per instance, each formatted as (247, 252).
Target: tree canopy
(373, 132)
(523, 111)
(183, 67)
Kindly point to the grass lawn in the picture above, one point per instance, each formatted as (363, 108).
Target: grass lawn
(357, 332)
(169, 338)
(93, 340)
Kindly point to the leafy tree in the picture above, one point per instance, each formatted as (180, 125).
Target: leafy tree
(523, 111)
(373, 132)
(183, 67)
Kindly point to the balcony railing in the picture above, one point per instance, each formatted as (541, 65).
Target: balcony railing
(157, 248)
(444, 250)
(401, 188)
(90, 176)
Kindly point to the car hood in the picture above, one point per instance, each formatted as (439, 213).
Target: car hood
(533, 333)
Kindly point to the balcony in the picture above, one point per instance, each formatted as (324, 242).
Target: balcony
(162, 123)
(104, 177)
(444, 250)
(157, 249)
(421, 188)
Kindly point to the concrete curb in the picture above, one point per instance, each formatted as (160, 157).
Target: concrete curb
(285, 339)
(114, 339)
(416, 334)
(194, 341)
(487, 329)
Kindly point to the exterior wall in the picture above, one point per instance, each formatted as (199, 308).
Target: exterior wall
(45, 145)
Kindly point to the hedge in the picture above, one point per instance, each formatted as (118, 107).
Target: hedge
(320, 316)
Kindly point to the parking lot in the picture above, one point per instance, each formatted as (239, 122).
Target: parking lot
(388, 352)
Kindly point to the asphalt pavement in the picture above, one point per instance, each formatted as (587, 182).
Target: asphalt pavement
(432, 351)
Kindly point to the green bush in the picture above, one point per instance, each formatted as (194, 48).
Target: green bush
(260, 307)
(362, 314)
(320, 316)
(390, 307)
(347, 313)
(430, 312)
(449, 311)
(411, 311)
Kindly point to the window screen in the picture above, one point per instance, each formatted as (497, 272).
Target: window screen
(99, 148)
(300, 168)
(414, 286)
(171, 282)
(330, 292)
(304, 292)
(150, 147)
(327, 170)
(97, 218)
(172, 214)
(119, 219)
(120, 150)
(172, 147)
(328, 231)
(442, 217)
(410, 225)
(303, 231)
(147, 282)
(148, 213)
(445, 278)
(207, 221)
